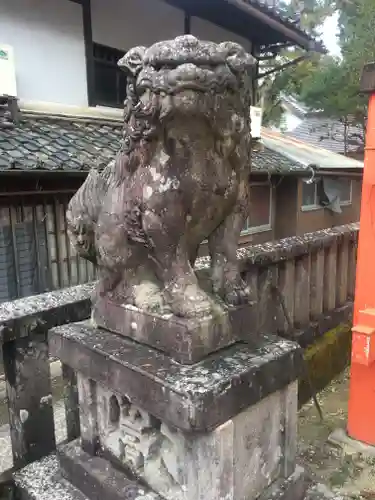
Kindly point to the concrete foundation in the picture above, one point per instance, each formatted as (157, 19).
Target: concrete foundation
(151, 428)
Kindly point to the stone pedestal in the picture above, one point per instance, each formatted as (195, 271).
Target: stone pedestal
(151, 428)
(238, 459)
(186, 340)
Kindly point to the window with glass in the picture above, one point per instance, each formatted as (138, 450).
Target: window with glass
(311, 198)
(260, 212)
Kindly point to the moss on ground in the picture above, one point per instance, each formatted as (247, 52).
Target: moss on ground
(325, 359)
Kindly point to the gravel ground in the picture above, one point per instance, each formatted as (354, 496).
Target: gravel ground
(344, 471)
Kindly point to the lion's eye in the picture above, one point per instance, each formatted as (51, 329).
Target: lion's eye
(165, 66)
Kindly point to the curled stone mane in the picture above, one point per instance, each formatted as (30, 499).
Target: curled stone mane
(180, 177)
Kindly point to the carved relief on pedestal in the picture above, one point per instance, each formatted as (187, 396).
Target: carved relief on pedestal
(148, 448)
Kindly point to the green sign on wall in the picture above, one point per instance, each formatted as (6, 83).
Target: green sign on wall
(4, 54)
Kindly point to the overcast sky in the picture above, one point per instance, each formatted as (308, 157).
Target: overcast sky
(329, 32)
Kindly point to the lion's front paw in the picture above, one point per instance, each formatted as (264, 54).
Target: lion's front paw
(188, 300)
(148, 296)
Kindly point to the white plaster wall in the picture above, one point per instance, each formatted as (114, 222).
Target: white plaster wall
(209, 31)
(47, 36)
(122, 24)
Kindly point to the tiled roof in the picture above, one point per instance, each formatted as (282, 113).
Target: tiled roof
(329, 134)
(275, 12)
(308, 155)
(269, 161)
(291, 104)
(51, 143)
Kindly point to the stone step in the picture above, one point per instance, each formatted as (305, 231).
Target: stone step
(42, 480)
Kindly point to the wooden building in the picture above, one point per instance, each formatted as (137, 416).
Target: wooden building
(70, 93)
(35, 253)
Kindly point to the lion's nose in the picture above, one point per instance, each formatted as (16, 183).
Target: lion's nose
(187, 69)
(187, 72)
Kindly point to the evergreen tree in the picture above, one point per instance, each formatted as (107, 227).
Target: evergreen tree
(310, 15)
(334, 89)
(324, 83)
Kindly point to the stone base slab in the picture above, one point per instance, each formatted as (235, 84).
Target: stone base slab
(191, 398)
(185, 340)
(319, 491)
(341, 439)
(292, 488)
(95, 479)
(85, 472)
(44, 480)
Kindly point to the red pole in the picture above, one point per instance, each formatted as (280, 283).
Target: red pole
(361, 418)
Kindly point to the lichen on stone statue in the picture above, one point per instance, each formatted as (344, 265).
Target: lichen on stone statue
(180, 178)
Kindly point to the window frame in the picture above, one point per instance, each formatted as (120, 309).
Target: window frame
(316, 206)
(264, 227)
(93, 94)
(346, 203)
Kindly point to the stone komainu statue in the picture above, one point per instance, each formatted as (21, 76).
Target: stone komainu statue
(180, 177)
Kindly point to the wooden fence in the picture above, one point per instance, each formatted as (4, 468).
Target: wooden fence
(297, 282)
(35, 252)
(300, 282)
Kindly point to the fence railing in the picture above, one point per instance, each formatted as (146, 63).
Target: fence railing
(301, 282)
(24, 325)
(296, 281)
